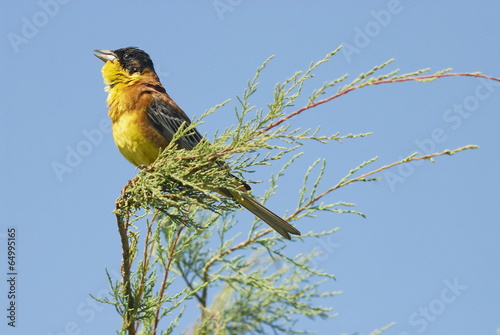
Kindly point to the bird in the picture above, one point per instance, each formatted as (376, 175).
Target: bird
(144, 120)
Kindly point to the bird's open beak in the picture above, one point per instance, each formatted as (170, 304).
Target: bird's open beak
(106, 55)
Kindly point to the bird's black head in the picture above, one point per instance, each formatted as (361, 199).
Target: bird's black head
(132, 59)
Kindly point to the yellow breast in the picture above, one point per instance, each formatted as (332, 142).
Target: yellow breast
(138, 142)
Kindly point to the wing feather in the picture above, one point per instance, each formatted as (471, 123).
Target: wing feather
(166, 117)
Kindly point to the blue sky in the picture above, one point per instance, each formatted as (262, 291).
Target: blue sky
(426, 256)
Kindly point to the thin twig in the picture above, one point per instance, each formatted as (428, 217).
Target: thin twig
(385, 167)
(375, 82)
(188, 283)
(123, 224)
(165, 277)
(146, 257)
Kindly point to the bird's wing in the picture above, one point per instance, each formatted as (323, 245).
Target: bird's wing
(166, 117)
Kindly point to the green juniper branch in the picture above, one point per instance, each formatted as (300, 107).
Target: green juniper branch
(186, 232)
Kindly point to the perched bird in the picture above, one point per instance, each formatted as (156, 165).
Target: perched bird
(144, 120)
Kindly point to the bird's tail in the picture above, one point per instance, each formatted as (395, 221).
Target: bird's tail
(277, 223)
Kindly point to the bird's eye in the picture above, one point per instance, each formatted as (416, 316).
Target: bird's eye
(126, 56)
